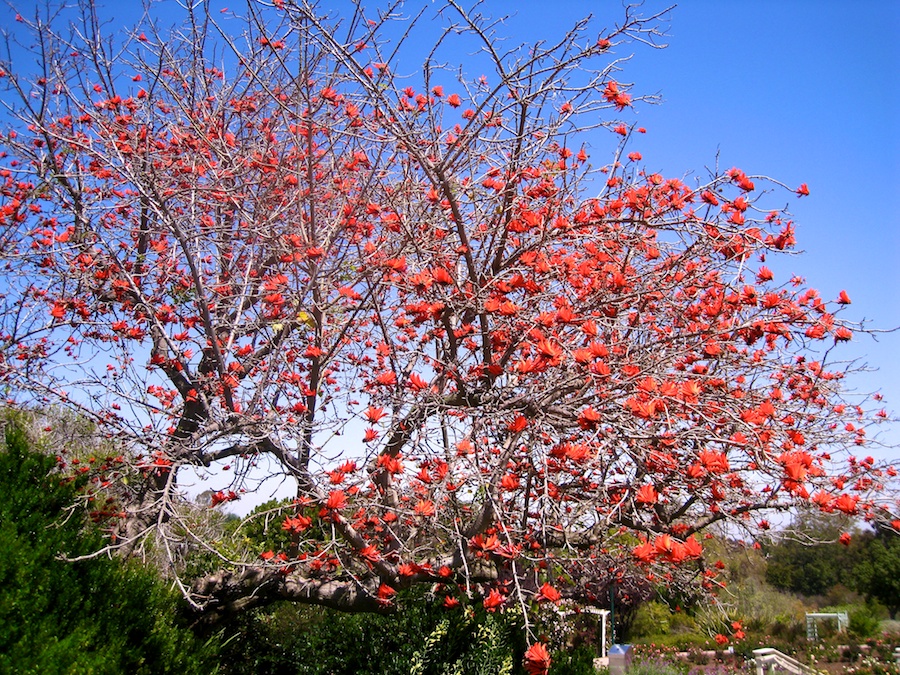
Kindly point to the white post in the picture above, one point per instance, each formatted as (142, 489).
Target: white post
(603, 636)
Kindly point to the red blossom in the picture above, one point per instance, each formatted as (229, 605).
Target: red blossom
(494, 600)
(537, 659)
(547, 593)
(336, 500)
(647, 495)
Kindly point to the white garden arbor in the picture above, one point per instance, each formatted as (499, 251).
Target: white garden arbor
(812, 625)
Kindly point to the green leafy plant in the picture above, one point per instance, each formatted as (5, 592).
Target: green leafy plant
(657, 667)
(422, 639)
(93, 615)
(575, 661)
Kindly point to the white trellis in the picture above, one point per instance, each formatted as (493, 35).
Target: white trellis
(604, 616)
(812, 619)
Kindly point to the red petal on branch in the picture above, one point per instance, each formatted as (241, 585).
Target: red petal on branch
(847, 504)
(589, 418)
(416, 382)
(425, 508)
(537, 660)
(714, 462)
(520, 423)
(370, 553)
(693, 548)
(509, 482)
(386, 593)
(663, 544)
(494, 600)
(547, 593)
(336, 500)
(843, 334)
(646, 495)
(441, 276)
(374, 414)
(645, 553)
(709, 197)
(387, 378)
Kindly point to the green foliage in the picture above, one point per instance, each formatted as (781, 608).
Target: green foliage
(878, 573)
(679, 642)
(801, 565)
(421, 638)
(657, 667)
(462, 645)
(262, 528)
(788, 628)
(652, 618)
(234, 538)
(863, 622)
(91, 616)
(576, 661)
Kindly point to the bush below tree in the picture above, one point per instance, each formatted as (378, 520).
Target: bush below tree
(91, 616)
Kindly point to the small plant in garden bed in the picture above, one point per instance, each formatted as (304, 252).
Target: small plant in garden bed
(698, 656)
(657, 666)
(872, 666)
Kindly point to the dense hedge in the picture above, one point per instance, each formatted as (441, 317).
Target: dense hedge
(420, 639)
(92, 616)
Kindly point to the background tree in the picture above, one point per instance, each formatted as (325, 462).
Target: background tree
(877, 573)
(817, 553)
(809, 557)
(487, 364)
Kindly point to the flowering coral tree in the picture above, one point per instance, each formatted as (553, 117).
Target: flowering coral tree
(485, 362)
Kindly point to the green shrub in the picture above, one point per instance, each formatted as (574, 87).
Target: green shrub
(421, 638)
(651, 618)
(657, 667)
(678, 642)
(863, 622)
(576, 661)
(92, 616)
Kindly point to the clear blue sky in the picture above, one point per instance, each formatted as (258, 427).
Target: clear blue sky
(802, 91)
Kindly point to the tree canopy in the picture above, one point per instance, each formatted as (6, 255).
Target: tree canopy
(878, 571)
(488, 362)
